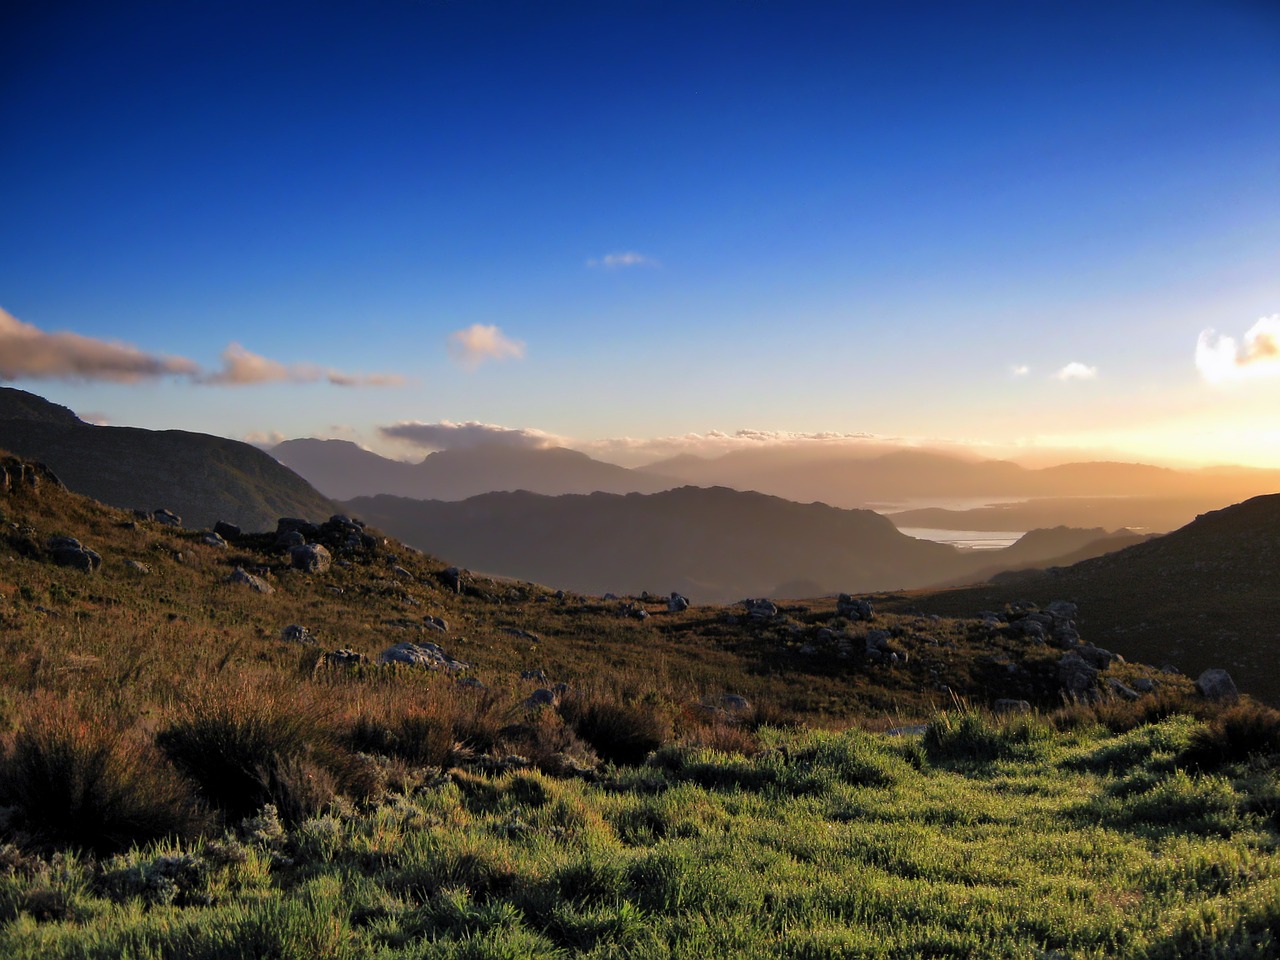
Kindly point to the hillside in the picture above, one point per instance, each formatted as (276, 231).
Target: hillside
(1203, 595)
(716, 545)
(343, 471)
(201, 478)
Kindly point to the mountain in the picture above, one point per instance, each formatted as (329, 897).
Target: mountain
(201, 478)
(1039, 549)
(343, 470)
(1204, 595)
(860, 476)
(714, 544)
(1148, 514)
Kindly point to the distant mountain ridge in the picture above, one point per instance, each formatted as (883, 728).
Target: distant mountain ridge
(343, 470)
(200, 477)
(714, 544)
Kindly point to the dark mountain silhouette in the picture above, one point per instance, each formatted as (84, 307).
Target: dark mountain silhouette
(1203, 596)
(714, 544)
(343, 470)
(201, 478)
(1038, 549)
(1146, 514)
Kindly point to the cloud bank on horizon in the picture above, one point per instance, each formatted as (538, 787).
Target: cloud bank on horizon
(29, 353)
(1221, 359)
(446, 435)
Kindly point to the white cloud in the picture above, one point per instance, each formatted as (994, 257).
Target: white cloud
(480, 342)
(29, 353)
(1220, 358)
(265, 439)
(625, 258)
(446, 435)
(1076, 371)
(1020, 370)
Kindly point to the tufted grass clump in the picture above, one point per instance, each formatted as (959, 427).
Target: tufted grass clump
(1239, 732)
(75, 781)
(620, 730)
(969, 736)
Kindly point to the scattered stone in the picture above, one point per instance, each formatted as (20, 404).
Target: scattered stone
(310, 558)
(137, 567)
(452, 578)
(289, 539)
(854, 608)
(343, 658)
(1005, 705)
(211, 539)
(760, 608)
(522, 634)
(538, 675)
(402, 572)
(166, 517)
(296, 633)
(421, 655)
(1144, 684)
(70, 552)
(240, 575)
(1076, 675)
(734, 703)
(228, 531)
(435, 623)
(1122, 690)
(677, 603)
(1096, 656)
(1216, 684)
(542, 697)
(308, 529)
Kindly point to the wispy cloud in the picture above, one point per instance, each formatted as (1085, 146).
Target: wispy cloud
(264, 439)
(241, 367)
(29, 353)
(481, 342)
(624, 258)
(1076, 371)
(446, 435)
(1020, 370)
(1221, 358)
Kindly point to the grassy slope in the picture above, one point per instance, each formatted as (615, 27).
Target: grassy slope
(1203, 596)
(971, 841)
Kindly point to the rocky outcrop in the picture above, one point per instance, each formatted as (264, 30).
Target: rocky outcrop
(854, 608)
(1076, 676)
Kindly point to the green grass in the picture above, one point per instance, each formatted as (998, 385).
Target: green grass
(822, 845)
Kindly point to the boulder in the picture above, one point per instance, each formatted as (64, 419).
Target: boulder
(451, 577)
(1216, 684)
(308, 529)
(343, 658)
(228, 531)
(854, 608)
(211, 539)
(1122, 690)
(1061, 610)
(138, 567)
(542, 697)
(1076, 675)
(70, 552)
(435, 623)
(240, 575)
(760, 608)
(289, 539)
(421, 655)
(677, 603)
(166, 517)
(310, 558)
(539, 675)
(1096, 656)
(296, 633)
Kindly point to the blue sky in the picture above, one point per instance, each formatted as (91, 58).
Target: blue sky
(680, 218)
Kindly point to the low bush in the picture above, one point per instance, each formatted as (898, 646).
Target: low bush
(252, 749)
(77, 782)
(1239, 732)
(619, 731)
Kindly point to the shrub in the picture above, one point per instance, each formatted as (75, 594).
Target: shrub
(79, 783)
(251, 750)
(620, 732)
(1239, 732)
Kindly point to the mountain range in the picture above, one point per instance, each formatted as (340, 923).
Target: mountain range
(712, 544)
(201, 478)
(907, 485)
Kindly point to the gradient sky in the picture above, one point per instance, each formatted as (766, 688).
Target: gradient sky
(1027, 224)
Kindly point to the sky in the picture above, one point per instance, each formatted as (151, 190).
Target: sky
(1043, 229)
